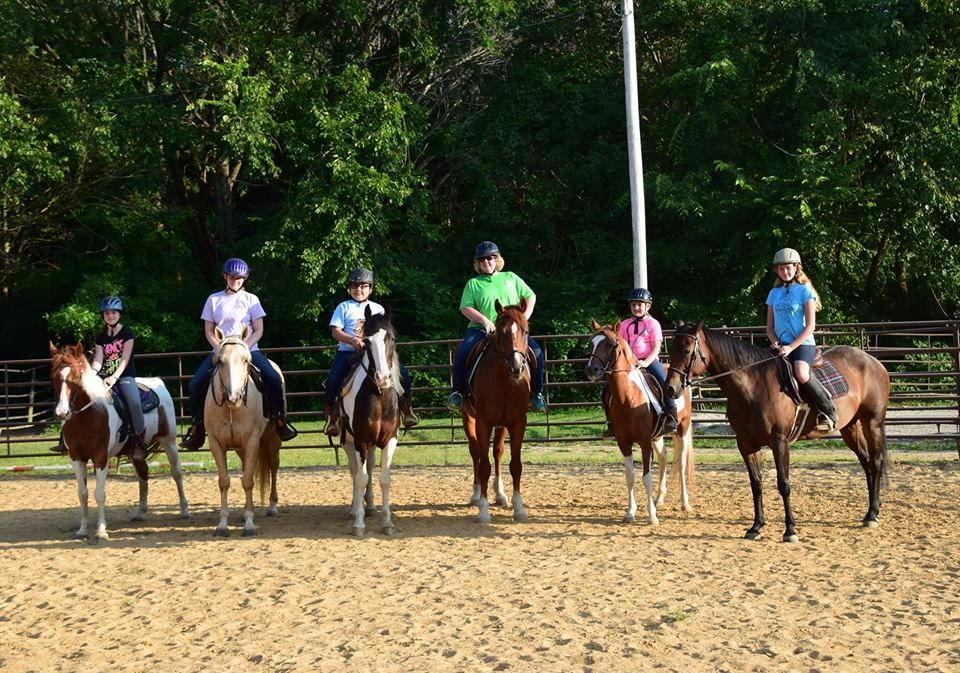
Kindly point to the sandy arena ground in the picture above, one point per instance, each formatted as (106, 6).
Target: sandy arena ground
(572, 589)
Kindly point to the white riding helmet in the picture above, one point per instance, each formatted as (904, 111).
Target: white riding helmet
(786, 256)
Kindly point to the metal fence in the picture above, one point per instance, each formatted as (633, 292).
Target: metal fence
(923, 359)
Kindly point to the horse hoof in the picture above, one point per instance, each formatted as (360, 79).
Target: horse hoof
(249, 532)
(483, 518)
(653, 521)
(358, 531)
(93, 541)
(369, 511)
(475, 502)
(629, 518)
(520, 516)
(792, 538)
(389, 531)
(136, 517)
(184, 514)
(502, 501)
(221, 532)
(870, 523)
(272, 511)
(752, 535)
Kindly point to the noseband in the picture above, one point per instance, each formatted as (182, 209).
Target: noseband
(513, 350)
(609, 362)
(367, 355)
(229, 341)
(685, 379)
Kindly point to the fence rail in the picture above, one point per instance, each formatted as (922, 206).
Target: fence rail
(923, 359)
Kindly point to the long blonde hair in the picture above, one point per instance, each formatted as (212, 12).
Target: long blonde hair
(801, 277)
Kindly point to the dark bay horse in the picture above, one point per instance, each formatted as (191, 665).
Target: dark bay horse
(371, 409)
(760, 414)
(501, 395)
(233, 417)
(633, 420)
(91, 430)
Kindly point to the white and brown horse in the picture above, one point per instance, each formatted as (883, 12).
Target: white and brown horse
(633, 420)
(91, 431)
(233, 418)
(371, 410)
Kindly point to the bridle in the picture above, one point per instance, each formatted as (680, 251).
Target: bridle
(367, 355)
(74, 386)
(686, 380)
(612, 357)
(508, 355)
(228, 341)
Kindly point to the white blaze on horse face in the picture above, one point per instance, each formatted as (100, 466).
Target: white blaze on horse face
(517, 358)
(62, 409)
(235, 362)
(377, 345)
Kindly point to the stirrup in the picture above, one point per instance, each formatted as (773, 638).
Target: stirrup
(194, 438)
(332, 428)
(284, 429)
(825, 423)
(410, 419)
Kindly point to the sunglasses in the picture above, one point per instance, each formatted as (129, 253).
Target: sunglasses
(488, 258)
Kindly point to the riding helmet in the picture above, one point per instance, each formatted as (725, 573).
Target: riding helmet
(485, 249)
(236, 267)
(360, 275)
(111, 303)
(640, 294)
(786, 256)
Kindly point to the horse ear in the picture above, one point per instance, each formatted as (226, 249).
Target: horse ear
(367, 312)
(699, 326)
(218, 334)
(498, 306)
(78, 349)
(523, 304)
(594, 325)
(680, 324)
(616, 326)
(243, 333)
(53, 349)
(388, 313)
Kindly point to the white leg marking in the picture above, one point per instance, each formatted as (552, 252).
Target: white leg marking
(630, 474)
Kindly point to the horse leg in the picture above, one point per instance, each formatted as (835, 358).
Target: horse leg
(141, 508)
(360, 479)
(100, 493)
(274, 457)
(683, 459)
(516, 469)
(470, 428)
(646, 450)
(80, 471)
(630, 474)
(499, 437)
(483, 469)
(176, 471)
(781, 457)
(223, 482)
(751, 458)
(869, 445)
(660, 450)
(386, 458)
(370, 507)
(249, 459)
(350, 448)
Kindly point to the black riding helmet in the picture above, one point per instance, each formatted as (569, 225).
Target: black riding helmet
(485, 249)
(360, 275)
(640, 294)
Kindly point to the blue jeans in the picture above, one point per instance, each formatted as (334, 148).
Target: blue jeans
(470, 339)
(201, 381)
(338, 372)
(656, 369)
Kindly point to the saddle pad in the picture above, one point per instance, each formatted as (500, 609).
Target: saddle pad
(148, 398)
(831, 379)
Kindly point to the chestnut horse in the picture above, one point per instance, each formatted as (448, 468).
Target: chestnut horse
(633, 420)
(233, 417)
(761, 414)
(501, 395)
(91, 428)
(371, 409)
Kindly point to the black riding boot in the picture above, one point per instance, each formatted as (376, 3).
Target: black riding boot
(407, 415)
(195, 436)
(284, 429)
(60, 447)
(332, 427)
(605, 401)
(670, 424)
(138, 454)
(827, 416)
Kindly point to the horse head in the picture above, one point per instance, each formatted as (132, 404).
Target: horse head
(68, 373)
(510, 333)
(608, 352)
(231, 361)
(688, 357)
(380, 350)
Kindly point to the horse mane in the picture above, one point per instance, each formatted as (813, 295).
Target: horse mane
(736, 352)
(92, 384)
(516, 314)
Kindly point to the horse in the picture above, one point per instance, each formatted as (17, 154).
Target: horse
(633, 420)
(501, 395)
(371, 409)
(234, 419)
(761, 414)
(91, 431)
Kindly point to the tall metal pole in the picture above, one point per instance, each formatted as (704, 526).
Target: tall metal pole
(637, 206)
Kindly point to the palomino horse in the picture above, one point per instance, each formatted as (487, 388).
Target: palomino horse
(761, 414)
(633, 420)
(233, 417)
(371, 408)
(501, 395)
(91, 429)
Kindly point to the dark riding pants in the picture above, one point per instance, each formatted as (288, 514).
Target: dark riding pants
(338, 373)
(201, 381)
(470, 339)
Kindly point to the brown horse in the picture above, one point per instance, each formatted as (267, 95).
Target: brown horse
(501, 395)
(761, 414)
(91, 430)
(633, 420)
(371, 408)
(233, 417)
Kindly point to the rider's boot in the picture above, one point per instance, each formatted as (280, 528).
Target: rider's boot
(608, 428)
(827, 415)
(670, 422)
(138, 454)
(408, 416)
(332, 427)
(195, 436)
(285, 430)
(60, 447)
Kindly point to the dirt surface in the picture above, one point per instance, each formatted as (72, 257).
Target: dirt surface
(572, 589)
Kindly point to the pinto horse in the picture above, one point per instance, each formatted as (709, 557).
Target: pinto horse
(501, 395)
(233, 417)
(761, 414)
(371, 408)
(633, 420)
(91, 431)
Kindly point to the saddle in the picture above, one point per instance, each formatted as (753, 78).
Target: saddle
(355, 361)
(826, 372)
(256, 376)
(148, 402)
(656, 394)
(476, 355)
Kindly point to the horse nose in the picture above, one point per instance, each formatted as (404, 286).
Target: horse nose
(382, 379)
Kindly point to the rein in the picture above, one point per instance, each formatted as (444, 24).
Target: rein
(605, 369)
(216, 375)
(686, 381)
